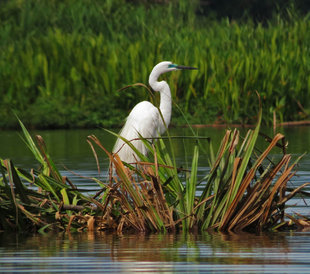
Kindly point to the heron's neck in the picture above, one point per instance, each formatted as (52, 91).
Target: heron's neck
(165, 103)
(165, 99)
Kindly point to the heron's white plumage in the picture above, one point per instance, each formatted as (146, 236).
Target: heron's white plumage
(145, 119)
(146, 125)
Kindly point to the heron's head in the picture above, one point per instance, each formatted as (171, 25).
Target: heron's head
(167, 66)
(161, 68)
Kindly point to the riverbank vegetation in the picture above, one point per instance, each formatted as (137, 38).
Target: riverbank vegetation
(62, 62)
(245, 189)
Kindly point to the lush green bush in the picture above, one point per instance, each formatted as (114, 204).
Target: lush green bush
(62, 62)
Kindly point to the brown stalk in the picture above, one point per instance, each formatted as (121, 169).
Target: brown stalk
(144, 210)
(148, 213)
(158, 201)
(302, 224)
(91, 224)
(70, 223)
(30, 216)
(136, 213)
(256, 192)
(42, 147)
(221, 150)
(161, 203)
(292, 194)
(203, 201)
(66, 179)
(155, 161)
(120, 226)
(286, 176)
(246, 182)
(233, 179)
(95, 155)
(7, 166)
(235, 141)
(158, 188)
(98, 143)
(161, 165)
(248, 219)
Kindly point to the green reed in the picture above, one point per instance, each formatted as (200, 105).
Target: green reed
(61, 63)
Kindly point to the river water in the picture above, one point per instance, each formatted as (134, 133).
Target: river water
(204, 253)
(280, 252)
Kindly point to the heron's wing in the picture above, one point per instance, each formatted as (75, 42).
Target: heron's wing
(144, 119)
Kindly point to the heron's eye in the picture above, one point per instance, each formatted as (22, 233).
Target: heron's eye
(172, 65)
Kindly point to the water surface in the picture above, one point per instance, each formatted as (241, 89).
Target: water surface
(172, 253)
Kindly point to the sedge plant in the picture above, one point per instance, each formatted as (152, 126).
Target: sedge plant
(243, 191)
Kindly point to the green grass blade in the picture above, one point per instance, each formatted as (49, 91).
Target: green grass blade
(245, 160)
(191, 187)
(15, 180)
(31, 145)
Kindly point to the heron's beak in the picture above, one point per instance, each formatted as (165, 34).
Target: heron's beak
(184, 67)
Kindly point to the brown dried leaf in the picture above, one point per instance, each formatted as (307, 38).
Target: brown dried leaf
(91, 224)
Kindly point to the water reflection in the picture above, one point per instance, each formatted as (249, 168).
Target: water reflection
(274, 253)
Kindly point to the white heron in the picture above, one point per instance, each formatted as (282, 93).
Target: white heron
(145, 119)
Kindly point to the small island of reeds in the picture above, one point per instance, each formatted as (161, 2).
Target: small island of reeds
(245, 189)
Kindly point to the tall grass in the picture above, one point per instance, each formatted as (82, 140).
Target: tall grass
(61, 63)
(244, 191)
(240, 192)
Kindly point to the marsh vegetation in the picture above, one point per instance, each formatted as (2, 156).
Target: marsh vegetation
(244, 190)
(61, 63)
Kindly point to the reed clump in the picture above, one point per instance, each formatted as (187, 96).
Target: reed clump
(243, 191)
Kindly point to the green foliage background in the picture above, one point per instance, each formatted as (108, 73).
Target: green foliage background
(62, 62)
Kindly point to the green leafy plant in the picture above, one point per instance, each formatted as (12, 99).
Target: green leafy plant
(71, 54)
